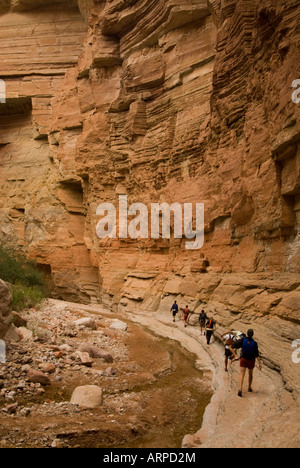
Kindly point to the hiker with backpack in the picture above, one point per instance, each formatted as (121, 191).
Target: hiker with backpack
(237, 344)
(248, 359)
(174, 310)
(202, 320)
(228, 338)
(210, 328)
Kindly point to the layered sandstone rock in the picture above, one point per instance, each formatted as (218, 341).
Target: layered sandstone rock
(162, 101)
(37, 203)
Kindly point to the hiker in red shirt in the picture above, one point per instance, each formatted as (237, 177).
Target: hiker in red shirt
(186, 313)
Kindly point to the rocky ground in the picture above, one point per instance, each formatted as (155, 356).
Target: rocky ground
(147, 383)
(66, 346)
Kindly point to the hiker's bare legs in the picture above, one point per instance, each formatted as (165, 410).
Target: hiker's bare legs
(250, 380)
(227, 363)
(242, 377)
(234, 358)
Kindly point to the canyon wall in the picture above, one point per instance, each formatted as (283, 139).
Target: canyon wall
(163, 101)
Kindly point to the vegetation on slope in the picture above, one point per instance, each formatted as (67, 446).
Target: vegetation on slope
(27, 281)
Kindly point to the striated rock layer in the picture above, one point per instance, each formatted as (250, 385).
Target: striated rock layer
(164, 101)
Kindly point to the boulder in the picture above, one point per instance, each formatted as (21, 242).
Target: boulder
(38, 377)
(87, 322)
(25, 333)
(88, 396)
(12, 408)
(25, 412)
(21, 385)
(64, 347)
(110, 371)
(5, 309)
(13, 334)
(118, 325)
(95, 352)
(47, 367)
(84, 358)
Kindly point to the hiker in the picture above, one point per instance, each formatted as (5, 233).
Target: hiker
(186, 313)
(174, 310)
(210, 327)
(248, 358)
(229, 339)
(202, 320)
(237, 344)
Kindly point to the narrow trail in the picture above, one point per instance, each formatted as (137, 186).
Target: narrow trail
(268, 417)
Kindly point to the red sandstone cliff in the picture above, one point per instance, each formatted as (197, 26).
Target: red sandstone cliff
(161, 100)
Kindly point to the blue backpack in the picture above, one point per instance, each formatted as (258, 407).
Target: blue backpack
(249, 349)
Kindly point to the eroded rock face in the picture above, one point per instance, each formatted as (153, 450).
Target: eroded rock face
(38, 47)
(5, 309)
(163, 101)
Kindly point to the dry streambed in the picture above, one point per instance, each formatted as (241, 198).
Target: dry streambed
(151, 393)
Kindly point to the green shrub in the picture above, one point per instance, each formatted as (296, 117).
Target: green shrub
(26, 296)
(15, 267)
(28, 283)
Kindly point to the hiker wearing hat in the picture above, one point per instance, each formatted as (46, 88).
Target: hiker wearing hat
(248, 358)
